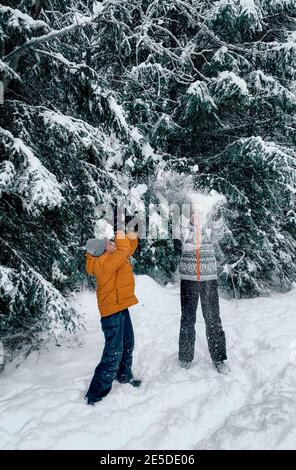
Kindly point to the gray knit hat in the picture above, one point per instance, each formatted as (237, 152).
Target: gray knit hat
(96, 246)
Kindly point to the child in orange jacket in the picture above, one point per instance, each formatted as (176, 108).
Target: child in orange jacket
(109, 263)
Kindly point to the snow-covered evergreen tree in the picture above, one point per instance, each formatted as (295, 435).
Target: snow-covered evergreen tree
(101, 97)
(214, 86)
(65, 138)
(238, 120)
(204, 80)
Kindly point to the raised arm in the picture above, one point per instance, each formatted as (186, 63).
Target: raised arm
(111, 262)
(133, 239)
(115, 260)
(218, 230)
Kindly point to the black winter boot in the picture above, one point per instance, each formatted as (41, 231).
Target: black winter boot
(221, 367)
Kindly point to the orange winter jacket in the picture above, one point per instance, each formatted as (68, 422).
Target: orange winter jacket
(114, 275)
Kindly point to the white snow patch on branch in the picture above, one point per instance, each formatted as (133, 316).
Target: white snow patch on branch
(271, 88)
(86, 133)
(7, 72)
(56, 273)
(6, 283)
(200, 91)
(39, 183)
(36, 184)
(231, 79)
(20, 20)
(7, 174)
(132, 131)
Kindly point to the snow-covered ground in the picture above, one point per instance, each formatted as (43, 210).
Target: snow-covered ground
(253, 407)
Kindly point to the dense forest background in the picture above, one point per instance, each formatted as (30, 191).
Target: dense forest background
(139, 98)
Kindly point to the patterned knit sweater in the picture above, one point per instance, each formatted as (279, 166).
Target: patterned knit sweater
(198, 259)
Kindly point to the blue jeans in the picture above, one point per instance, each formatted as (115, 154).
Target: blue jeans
(116, 361)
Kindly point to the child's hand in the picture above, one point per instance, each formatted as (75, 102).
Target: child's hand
(132, 235)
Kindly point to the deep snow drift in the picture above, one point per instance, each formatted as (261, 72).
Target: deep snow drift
(253, 407)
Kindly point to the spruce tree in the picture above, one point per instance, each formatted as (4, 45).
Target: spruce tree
(105, 99)
(65, 140)
(213, 88)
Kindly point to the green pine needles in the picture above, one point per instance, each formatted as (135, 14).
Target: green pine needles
(99, 98)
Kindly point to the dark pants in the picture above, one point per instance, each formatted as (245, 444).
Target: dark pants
(208, 292)
(116, 361)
